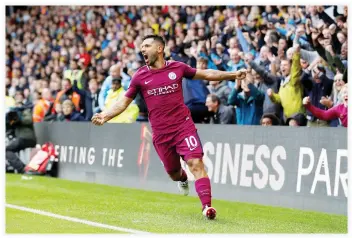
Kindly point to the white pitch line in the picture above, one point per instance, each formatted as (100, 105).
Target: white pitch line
(73, 219)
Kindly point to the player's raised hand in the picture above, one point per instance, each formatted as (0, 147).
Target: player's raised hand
(241, 74)
(306, 101)
(98, 119)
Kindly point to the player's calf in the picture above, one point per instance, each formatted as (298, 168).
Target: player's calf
(203, 187)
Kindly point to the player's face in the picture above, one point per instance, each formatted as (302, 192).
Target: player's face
(150, 50)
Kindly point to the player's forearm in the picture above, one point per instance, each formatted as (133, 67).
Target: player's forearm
(216, 75)
(114, 111)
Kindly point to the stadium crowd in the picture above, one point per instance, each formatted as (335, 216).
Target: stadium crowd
(68, 63)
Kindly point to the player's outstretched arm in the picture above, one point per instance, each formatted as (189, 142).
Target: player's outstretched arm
(118, 107)
(217, 75)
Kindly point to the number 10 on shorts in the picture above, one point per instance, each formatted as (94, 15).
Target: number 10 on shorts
(191, 142)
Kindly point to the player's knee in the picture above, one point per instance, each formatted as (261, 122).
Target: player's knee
(195, 165)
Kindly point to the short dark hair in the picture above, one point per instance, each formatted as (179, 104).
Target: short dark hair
(116, 81)
(214, 98)
(155, 38)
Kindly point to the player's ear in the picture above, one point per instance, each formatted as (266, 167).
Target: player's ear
(160, 48)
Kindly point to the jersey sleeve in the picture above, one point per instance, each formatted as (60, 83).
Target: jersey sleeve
(188, 71)
(134, 87)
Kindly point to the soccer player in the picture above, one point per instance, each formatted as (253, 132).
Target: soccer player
(174, 133)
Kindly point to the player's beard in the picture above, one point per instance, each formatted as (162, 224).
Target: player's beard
(152, 59)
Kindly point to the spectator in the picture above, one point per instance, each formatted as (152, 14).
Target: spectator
(195, 93)
(220, 89)
(219, 56)
(335, 97)
(90, 97)
(19, 97)
(69, 112)
(43, 106)
(221, 114)
(115, 73)
(297, 119)
(56, 115)
(269, 119)
(262, 59)
(236, 63)
(9, 101)
(248, 101)
(55, 85)
(115, 93)
(337, 112)
(291, 90)
(266, 81)
(68, 93)
(317, 89)
(75, 73)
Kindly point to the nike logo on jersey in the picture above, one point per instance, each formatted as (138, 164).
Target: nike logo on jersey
(146, 82)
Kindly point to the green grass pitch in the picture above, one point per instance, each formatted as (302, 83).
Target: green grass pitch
(146, 211)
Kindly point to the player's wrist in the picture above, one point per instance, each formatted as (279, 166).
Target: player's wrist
(104, 116)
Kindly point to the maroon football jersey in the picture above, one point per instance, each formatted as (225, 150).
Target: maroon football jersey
(162, 92)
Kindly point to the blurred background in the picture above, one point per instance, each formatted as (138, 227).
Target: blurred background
(61, 61)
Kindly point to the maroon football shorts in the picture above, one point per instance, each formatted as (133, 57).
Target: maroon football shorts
(184, 144)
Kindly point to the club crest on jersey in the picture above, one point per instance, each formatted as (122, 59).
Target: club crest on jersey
(172, 76)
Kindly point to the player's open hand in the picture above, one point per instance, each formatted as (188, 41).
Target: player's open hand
(241, 74)
(98, 119)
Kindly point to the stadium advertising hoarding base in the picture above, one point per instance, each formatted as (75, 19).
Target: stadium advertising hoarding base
(303, 168)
